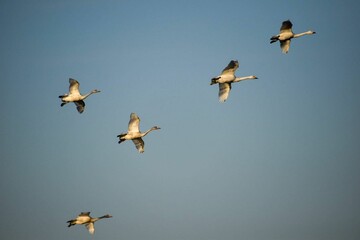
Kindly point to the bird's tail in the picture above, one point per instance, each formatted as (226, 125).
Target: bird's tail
(213, 80)
(274, 39)
(71, 223)
(120, 136)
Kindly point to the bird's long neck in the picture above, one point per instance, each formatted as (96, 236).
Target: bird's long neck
(145, 133)
(86, 95)
(95, 219)
(302, 34)
(238, 79)
(98, 218)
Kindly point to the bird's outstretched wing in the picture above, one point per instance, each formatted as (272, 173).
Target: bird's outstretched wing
(90, 227)
(84, 214)
(139, 144)
(134, 123)
(286, 26)
(231, 67)
(80, 106)
(74, 86)
(224, 91)
(285, 45)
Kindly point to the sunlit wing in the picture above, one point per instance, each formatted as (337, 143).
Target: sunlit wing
(90, 227)
(286, 26)
(231, 67)
(74, 86)
(84, 214)
(224, 90)
(285, 45)
(80, 106)
(139, 144)
(134, 123)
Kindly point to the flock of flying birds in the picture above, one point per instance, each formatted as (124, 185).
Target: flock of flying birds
(225, 79)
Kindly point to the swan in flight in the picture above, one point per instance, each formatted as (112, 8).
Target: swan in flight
(75, 96)
(134, 133)
(84, 218)
(286, 34)
(226, 78)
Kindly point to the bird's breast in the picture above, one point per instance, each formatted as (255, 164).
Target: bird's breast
(286, 36)
(226, 78)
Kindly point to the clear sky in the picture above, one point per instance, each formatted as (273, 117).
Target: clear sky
(279, 160)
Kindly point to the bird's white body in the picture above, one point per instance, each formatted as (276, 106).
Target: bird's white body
(82, 219)
(226, 78)
(285, 36)
(72, 97)
(134, 133)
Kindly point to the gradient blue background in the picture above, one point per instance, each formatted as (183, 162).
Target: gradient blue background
(279, 160)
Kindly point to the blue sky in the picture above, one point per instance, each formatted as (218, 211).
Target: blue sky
(278, 160)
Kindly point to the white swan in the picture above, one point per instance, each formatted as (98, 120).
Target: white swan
(84, 218)
(134, 133)
(226, 78)
(75, 96)
(286, 34)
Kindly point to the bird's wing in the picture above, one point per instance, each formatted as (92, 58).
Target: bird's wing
(90, 227)
(224, 90)
(285, 45)
(231, 67)
(74, 86)
(139, 144)
(286, 26)
(134, 123)
(84, 214)
(80, 106)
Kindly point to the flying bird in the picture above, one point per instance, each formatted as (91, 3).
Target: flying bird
(134, 133)
(226, 78)
(286, 34)
(75, 96)
(84, 218)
